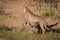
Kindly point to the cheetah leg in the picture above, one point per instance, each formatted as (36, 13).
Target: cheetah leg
(43, 30)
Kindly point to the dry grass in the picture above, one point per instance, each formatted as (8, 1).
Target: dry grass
(22, 35)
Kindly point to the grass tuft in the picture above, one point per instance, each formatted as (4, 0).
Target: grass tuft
(47, 14)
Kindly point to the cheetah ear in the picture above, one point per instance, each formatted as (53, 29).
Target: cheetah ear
(25, 8)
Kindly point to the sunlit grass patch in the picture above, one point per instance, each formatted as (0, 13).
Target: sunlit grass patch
(47, 14)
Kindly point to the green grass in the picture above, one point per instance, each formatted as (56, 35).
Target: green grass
(23, 35)
(47, 14)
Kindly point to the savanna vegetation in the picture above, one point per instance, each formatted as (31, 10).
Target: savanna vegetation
(7, 33)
